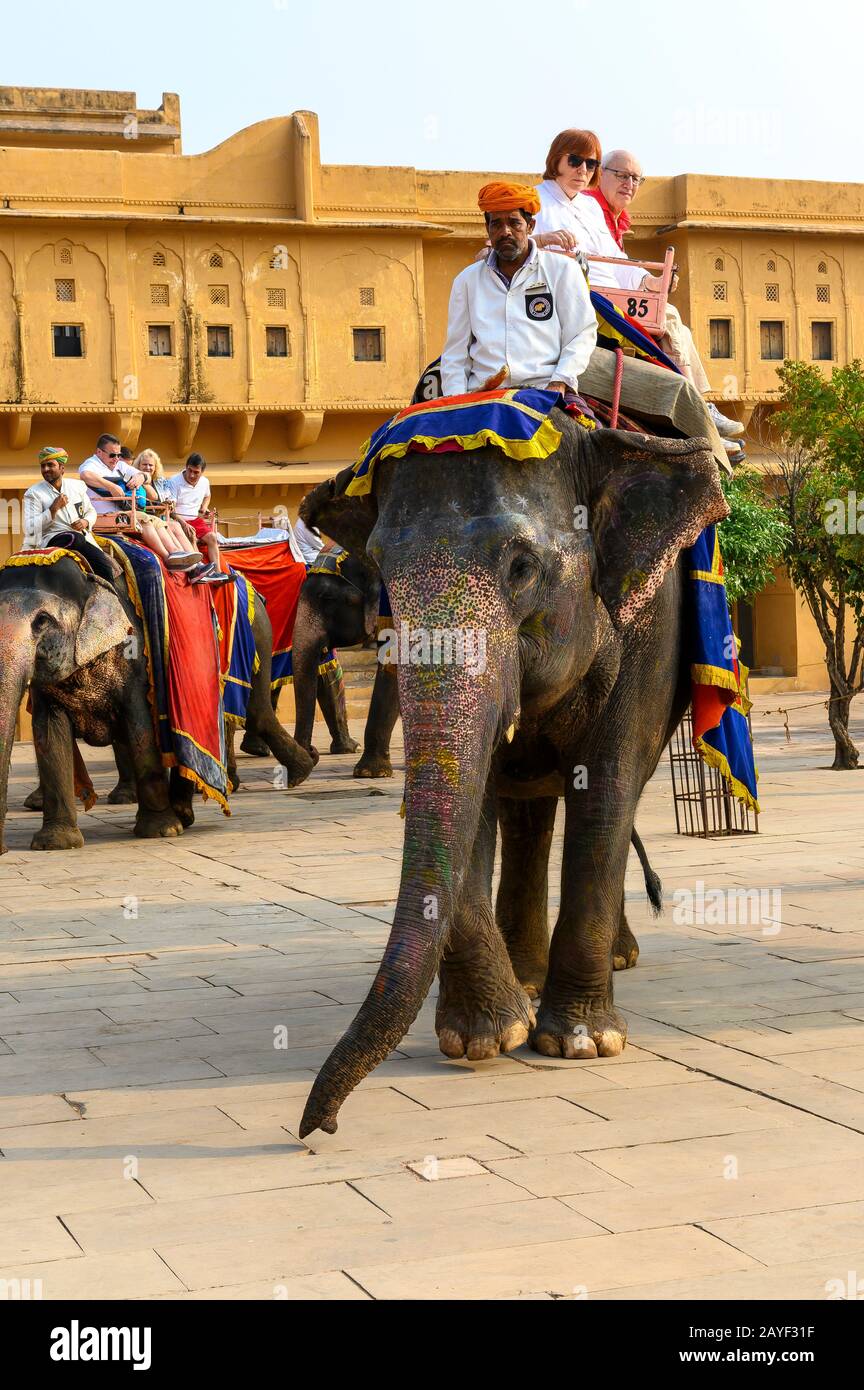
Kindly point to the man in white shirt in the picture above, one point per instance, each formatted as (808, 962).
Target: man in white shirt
(190, 492)
(101, 469)
(59, 514)
(521, 316)
(594, 222)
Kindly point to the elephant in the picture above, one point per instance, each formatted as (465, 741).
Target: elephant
(78, 641)
(570, 569)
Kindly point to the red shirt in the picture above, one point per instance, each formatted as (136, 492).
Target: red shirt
(617, 226)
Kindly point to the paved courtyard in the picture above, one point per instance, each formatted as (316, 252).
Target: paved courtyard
(164, 1007)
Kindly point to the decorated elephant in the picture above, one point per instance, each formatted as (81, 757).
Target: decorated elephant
(568, 572)
(78, 641)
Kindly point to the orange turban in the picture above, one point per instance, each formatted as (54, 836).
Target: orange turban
(504, 197)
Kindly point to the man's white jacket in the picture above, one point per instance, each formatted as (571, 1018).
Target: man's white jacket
(541, 325)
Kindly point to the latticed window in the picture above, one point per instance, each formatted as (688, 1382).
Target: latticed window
(215, 261)
(158, 257)
(823, 294)
(719, 263)
(65, 257)
(159, 294)
(367, 294)
(772, 293)
(65, 291)
(278, 342)
(719, 290)
(772, 265)
(219, 295)
(822, 268)
(275, 299)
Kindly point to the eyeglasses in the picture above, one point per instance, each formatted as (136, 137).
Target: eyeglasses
(577, 160)
(623, 177)
(111, 456)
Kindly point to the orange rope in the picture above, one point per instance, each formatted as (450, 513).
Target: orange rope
(616, 388)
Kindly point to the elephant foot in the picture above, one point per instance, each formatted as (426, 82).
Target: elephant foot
(293, 776)
(583, 1030)
(625, 952)
(57, 837)
(254, 746)
(478, 1026)
(184, 814)
(344, 745)
(34, 802)
(124, 794)
(155, 825)
(531, 976)
(374, 765)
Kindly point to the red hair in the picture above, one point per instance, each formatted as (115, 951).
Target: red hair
(582, 142)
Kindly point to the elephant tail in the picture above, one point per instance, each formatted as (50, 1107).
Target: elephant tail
(653, 884)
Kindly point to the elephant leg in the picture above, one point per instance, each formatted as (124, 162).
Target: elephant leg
(482, 1008)
(156, 816)
(296, 762)
(310, 639)
(231, 756)
(625, 952)
(521, 906)
(180, 794)
(383, 713)
(125, 793)
(577, 1017)
(52, 739)
(330, 693)
(36, 800)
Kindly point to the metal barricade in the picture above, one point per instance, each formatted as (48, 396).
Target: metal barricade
(703, 803)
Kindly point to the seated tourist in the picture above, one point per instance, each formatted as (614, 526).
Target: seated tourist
(111, 479)
(520, 316)
(584, 199)
(190, 493)
(58, 513)
(156, 491)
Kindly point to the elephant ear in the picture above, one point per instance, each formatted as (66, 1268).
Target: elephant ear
(103, 625)
(652, 498)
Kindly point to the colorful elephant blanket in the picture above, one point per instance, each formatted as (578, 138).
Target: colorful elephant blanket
(234, 605)
(718, 679)
(278, 578)
(182, 653)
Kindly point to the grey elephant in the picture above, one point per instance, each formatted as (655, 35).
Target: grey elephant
(68, 633)
(571, 569)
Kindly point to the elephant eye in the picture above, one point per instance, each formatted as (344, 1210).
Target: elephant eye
(524, 571)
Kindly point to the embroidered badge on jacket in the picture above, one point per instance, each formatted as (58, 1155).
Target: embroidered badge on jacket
(538, 307)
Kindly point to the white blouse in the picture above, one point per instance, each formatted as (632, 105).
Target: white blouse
(584, 218)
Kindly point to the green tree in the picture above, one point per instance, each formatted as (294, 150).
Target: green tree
(753, 537)
(818, 436)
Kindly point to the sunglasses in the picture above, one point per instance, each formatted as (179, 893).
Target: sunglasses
(111, 456)
(577, 160)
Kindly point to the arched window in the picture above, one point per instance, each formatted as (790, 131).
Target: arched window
(65, 256)
(772, 265)
(822, 268)
(158, 257)
(215, 261)
(718, 263)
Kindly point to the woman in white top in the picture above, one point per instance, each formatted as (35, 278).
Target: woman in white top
(171, 532)
(567, 221)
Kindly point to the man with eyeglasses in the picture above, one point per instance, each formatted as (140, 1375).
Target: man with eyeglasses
(100, 472)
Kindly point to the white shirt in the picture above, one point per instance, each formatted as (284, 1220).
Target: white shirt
(189, 498)
(121, 469)
(310, 544)
(540, 326)
(40, 525)
(583, 217)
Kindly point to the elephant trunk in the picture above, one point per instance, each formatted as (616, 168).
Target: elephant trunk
(16, 668)
(452, 717)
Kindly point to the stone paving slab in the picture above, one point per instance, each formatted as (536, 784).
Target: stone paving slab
(158, 1038)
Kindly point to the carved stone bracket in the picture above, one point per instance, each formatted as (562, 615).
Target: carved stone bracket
(242, 430)
(19, 429)
(126, 425)
(303, 427)
(186, 426)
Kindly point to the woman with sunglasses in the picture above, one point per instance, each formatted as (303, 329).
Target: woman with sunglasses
(567, 221)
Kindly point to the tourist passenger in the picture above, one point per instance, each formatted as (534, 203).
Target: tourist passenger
(190, 493)
(58, 513)
(156, 490)
(584, 200)
(110, 479)
(520, 316)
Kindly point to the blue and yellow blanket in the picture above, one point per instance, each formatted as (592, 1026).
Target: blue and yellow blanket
(718, 679)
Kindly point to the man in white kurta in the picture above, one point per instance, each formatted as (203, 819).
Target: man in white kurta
(520, 316)
(59, 513)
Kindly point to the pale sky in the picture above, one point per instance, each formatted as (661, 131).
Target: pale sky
(752, 87)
